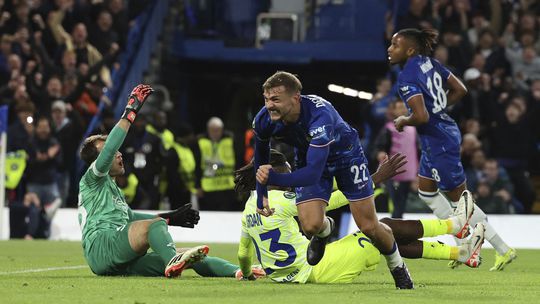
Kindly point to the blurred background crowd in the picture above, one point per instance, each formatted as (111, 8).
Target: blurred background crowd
(59, 60)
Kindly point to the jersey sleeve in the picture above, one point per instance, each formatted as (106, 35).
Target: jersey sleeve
(407, 90)
(245, 250)
(321, 130)
(260, 126)
(102, 164)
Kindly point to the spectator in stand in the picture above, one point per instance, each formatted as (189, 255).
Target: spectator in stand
(44, 161)
(390, 142)
(101, 34)
(475, 172)
(496, 63)
(21, 131)
(500, 187)
(525, 66)
(67, 129)
(469, 144)
(78, 43)
(38, 216)
(491, 202)
(418, 16)
(214, 172)
(534, 113)
(513, 157)
(181, 167)
(379, 105)
(144, 154)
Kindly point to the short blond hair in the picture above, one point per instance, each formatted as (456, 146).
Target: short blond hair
(281, 78)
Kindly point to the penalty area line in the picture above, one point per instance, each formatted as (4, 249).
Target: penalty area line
(43, 269)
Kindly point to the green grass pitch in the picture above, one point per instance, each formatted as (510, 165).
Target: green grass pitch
(435, 283)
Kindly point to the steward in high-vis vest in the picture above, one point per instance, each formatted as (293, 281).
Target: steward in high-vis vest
(215, 165)
(180, 169)
(15, 166)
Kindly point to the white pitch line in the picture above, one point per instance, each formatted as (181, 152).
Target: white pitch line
(43, 269)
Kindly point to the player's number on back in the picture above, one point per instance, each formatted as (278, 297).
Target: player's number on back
(275, 246)
(359, 172)
(439, 96)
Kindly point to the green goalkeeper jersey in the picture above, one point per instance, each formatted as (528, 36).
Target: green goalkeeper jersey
(279, 245)
(102, 205)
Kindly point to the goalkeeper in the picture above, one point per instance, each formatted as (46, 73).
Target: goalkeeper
(116, 239)
(281, 248)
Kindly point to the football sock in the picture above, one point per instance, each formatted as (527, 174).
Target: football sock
(393, 259)
(495, 240)
(436, 227)
(437, 202)
(491, 235)
(160, 240)
(327, 228)
(439, 251)
(215, 267)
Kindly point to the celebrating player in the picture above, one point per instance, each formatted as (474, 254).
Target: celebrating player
(281, 248)
(422, 85)
(116, 239)
(326, 147)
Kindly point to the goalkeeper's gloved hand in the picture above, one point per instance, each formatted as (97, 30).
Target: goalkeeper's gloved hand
(183, 217)
(136, 99)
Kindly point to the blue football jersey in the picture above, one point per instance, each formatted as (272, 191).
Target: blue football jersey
(426, 76)
(319, 125)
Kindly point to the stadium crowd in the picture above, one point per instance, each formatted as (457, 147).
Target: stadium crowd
(56, 60)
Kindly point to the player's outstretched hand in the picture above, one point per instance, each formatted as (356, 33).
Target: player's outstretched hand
(183, 217)
(262, 173)
(389, 167)
(136, 99)
(266, 210)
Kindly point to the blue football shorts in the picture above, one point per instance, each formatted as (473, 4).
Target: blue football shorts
(352, 177)
(445, 168)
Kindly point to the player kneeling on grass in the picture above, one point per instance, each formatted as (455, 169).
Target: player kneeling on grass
(116, 239)
(281, 248)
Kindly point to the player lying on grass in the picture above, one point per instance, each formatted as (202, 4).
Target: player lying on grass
(281, 248)
(116, 239)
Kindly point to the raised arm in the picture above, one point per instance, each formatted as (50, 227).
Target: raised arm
(115, 139)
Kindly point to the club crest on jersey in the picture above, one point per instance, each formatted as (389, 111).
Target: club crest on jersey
(289, 195)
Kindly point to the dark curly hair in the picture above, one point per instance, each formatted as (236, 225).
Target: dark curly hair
(425, 40)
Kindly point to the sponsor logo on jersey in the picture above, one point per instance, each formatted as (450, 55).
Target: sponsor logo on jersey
(317, 132)
(291, 275)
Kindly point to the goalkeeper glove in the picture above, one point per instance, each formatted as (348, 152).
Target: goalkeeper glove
(183, 217)
(136, 99)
